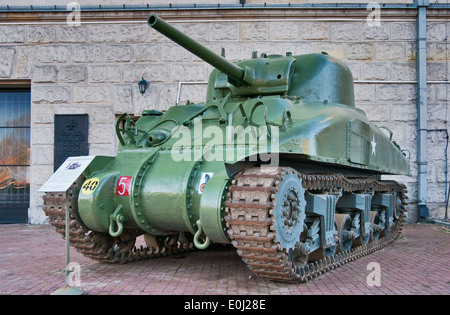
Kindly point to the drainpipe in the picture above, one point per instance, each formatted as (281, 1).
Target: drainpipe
(422, 154)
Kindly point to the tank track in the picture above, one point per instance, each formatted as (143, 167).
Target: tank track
(252, 232)
(100, 246)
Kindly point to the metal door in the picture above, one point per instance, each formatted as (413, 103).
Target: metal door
(15, 107)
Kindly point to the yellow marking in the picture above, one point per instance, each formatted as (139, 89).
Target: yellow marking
(89, 185)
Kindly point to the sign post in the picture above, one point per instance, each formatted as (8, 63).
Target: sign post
(61, 181)
(67, 289)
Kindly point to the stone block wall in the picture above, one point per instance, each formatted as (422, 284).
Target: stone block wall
(95, 68)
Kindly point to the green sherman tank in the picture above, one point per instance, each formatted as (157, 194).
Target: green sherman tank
(277, 161)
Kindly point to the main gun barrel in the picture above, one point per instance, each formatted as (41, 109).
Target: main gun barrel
(230, 69)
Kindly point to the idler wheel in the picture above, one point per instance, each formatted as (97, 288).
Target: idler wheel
(398, 208)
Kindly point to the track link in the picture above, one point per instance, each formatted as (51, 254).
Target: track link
(101, 246)
(251, 222)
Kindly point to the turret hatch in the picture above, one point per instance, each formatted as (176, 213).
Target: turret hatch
(264, 76)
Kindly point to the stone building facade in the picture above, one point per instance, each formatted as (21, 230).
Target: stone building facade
(95, 68)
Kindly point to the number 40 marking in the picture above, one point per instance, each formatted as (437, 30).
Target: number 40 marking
(123, 186)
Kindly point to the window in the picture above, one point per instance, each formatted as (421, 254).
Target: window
(15, 107)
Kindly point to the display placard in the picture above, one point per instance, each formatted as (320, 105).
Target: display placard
(67, 174)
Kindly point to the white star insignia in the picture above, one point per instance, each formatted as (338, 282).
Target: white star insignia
(373, 145)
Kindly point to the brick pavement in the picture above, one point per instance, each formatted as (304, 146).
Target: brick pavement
(32, 262)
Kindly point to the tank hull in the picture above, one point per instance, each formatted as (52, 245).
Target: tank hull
(162, 183)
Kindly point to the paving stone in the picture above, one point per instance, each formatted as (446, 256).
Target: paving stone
(33, 263)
